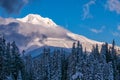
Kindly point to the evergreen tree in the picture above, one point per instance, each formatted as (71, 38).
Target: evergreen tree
(95, 52)
(64, 63)
(8, 56)
(27, 68)
(72, 62)
(56, 66)
(105, 52)
(10, 60)
(7, 59)
(114, 61)
(46, 64)
(2, 59)
(15, 61)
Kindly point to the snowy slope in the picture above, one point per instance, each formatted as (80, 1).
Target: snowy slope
(34, 31)
(37, 19)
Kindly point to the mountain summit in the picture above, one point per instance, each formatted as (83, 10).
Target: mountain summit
(34, 31)
(37, 19)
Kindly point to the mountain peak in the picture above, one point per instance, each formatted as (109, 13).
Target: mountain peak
(38, 20)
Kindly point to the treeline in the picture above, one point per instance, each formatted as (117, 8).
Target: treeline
(78, 65)
(57, 64)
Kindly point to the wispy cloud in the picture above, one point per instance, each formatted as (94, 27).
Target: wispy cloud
(118, 27)
(113, 5)
(117, 34)
(97, 30)
(25, 1)
(86, 9)
(12, 6)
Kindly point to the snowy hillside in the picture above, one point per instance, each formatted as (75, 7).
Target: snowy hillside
(34, 31)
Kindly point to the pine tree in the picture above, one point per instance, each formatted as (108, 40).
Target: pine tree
(64, 63)
(38, 67)
(79, 51)
(15, 61)
(46, 66)
(8, 59)
(2, 59)
(96, 52)
(27, 68)
(56, 66)
(114, 60)
(105, 53)
(110, 68)
(72, 62)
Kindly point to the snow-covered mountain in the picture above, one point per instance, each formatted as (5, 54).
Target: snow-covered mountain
(37, 19)
(34, 31)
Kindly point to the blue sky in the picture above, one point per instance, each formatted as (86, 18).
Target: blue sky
(96, 19)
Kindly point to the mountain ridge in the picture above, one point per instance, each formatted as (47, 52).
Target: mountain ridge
(30, 35)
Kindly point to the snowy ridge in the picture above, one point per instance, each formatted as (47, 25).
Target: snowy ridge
(37, 19)
(83, 39)
(34, 31)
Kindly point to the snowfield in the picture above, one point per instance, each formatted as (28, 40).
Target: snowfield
(34, 31)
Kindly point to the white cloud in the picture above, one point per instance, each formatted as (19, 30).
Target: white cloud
(119, 27)
(86, 9)
(97, 30)
(25, 1)
(113, 5)
(117, 34)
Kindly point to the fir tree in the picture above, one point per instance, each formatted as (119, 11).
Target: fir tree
(114, 60)
(16, 63)
(2, 59)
